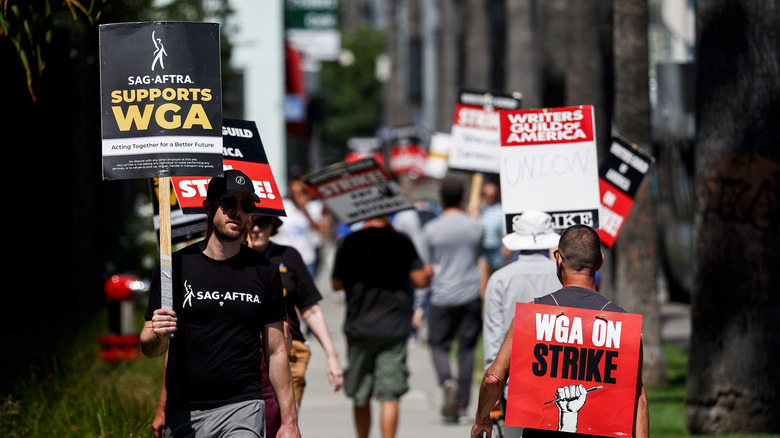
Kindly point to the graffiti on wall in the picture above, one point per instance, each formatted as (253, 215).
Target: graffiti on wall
(743, 188)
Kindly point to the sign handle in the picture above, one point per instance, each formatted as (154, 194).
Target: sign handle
(166, 261)
(476, 189)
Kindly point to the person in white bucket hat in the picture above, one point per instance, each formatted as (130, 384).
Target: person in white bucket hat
(530, 274)
(531, 230)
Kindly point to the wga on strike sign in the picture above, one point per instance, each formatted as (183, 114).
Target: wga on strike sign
(573, 370)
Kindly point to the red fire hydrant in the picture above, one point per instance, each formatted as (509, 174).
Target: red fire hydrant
(121, 342)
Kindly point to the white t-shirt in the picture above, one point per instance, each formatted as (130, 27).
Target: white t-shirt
(297, 232)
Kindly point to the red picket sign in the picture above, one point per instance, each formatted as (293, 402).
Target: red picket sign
(555, 347)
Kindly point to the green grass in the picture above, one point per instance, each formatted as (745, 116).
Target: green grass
(77, 394)
(667, 405)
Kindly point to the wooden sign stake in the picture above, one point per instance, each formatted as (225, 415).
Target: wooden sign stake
(166, 261)
(476, 189)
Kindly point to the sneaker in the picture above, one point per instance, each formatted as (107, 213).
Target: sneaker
(449, 408)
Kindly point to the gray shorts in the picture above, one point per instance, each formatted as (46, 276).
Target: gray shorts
(237, 420)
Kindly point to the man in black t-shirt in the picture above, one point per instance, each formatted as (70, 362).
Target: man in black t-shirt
(301, 298)
(374, 266)
(226, 305)
(577, 260)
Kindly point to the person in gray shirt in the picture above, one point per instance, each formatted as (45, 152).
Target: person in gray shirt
(457, 264)
(530, 274)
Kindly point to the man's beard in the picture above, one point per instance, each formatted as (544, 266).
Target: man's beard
(226, 236)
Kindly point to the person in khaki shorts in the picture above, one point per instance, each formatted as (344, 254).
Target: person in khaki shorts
(301, 298)
(377, 267)
(299, 362)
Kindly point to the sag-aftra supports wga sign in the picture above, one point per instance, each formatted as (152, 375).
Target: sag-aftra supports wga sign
(161, 99)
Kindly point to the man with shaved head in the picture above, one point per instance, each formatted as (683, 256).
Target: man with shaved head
(577, 260)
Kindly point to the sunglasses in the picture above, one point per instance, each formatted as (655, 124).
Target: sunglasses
(262, 222)
(229, 203)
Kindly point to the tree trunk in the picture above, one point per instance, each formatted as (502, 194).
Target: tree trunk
(634, 256)
(401, 26)
(552, 42)
(589, 82)
(449, 63)
(589, 63)
(733, 373)
(476, 45)
(521, 58)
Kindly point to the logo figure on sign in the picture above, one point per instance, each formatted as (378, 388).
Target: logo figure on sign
(159, 52)
(570, 399)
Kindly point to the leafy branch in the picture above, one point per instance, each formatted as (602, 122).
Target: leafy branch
(28, 26)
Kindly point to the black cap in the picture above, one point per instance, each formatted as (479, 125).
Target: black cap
(232, 183)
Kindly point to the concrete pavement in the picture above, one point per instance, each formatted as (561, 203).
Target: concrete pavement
(676, 324)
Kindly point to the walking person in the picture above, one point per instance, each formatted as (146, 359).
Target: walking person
(301, 298)
(307, 224)
(227, 304)
(458, 270)
(530, 274)
(376, 267)
(411, 223)
(577, 260)
(492, 218)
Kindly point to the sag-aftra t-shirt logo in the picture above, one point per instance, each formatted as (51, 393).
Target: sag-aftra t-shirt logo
(221, 297)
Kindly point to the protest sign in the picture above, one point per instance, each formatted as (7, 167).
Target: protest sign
(549, 163)
(438, 152)
(357, 191)
(409, 150)
(184, 227)
(620, 175)
(161, 110)
(474, 141)
(554, 347)
(359, 148)
(161, 102)
(243, 150)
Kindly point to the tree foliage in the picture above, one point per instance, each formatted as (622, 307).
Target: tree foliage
(28, 26)
(351, 93)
